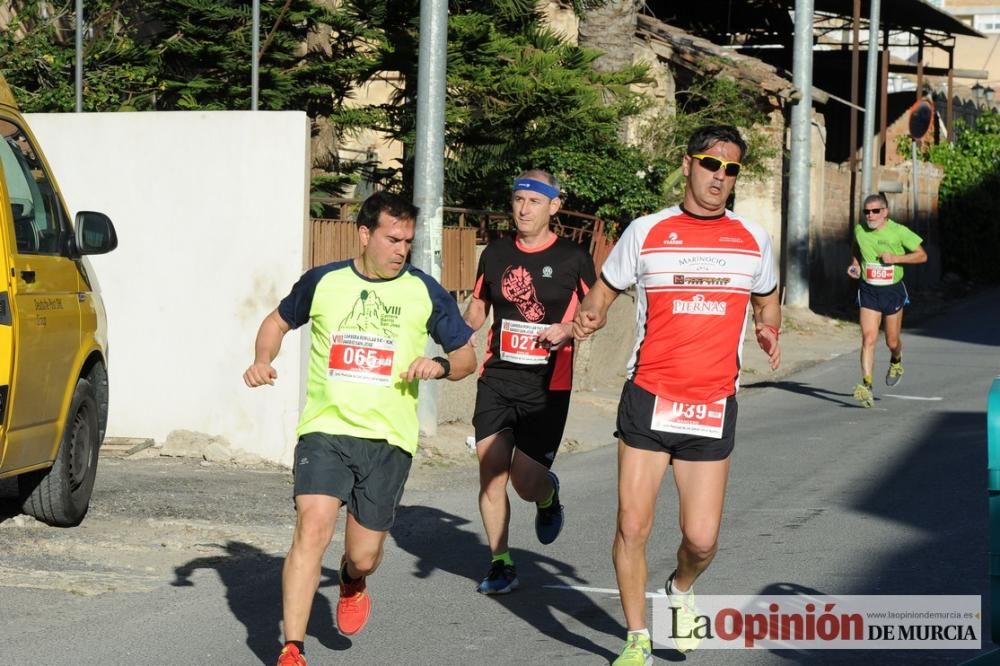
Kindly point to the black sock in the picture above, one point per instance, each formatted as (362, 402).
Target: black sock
(895, 359)
(298, 644)
(344, 576)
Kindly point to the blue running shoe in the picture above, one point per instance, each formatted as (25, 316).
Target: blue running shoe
(501, 579)
(549, 521)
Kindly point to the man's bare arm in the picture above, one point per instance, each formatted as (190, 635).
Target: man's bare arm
(592, 314)
(269, 336)
(767, 322)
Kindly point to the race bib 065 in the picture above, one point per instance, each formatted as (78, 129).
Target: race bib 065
(362, 358)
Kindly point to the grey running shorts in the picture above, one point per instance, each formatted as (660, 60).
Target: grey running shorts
(367, 475)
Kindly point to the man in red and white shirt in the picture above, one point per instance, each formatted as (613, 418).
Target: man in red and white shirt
(696, 269)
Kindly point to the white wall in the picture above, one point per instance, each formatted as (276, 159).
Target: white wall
(211, 210)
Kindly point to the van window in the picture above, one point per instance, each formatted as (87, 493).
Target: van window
(36, 210)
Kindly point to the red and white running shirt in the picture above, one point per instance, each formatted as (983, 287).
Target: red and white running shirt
(694, 277)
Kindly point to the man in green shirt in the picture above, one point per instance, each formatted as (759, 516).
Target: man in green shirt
(370, 318)
(881, 246)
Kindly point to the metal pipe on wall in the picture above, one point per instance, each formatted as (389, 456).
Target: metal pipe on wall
(428, 171)
(871, 71)
(78, 75)
(255, 59)
(797, 233)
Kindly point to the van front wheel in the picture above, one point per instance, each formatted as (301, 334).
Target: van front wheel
(60, 495)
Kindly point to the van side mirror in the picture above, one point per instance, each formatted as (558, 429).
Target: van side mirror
(95, 234)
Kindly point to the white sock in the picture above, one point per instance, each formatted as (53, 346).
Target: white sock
(642, 632)
(674, 590)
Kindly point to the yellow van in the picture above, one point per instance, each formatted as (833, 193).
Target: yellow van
(53, 332)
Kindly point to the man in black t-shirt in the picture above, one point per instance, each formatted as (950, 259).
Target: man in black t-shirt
(533, 284)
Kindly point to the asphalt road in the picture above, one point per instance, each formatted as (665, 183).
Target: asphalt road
(179, 563)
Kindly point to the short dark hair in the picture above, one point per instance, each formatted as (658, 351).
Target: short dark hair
(705, 137)
(385, 202)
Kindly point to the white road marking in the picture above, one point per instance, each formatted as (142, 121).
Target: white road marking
(603, 590)
(932, 398)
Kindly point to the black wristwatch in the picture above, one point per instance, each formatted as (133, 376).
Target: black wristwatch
(444, 363)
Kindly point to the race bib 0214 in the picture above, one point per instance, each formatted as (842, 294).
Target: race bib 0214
(703, 420)
(361, 357)
(519, 343)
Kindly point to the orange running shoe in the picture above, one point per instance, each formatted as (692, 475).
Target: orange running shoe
(355, 605)
(290, 656)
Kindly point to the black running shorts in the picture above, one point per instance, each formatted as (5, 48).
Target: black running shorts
(887, 299)
(535, 415)
(367, 475)
(635, 419)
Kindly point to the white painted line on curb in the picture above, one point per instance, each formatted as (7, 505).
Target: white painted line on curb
(603, 590)
(932, 398)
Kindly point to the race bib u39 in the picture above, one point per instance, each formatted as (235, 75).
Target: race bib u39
(703, 420)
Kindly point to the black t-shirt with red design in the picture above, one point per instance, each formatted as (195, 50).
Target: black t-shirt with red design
(530, 289)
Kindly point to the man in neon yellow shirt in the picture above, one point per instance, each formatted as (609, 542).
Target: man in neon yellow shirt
(881, 246)
(370, 318)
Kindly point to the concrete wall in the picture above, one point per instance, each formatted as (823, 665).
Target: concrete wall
(211, 214)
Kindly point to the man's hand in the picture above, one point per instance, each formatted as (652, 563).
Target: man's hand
(423, 368)
(887, 258)
(767, 338)
(259, 374)
(586, 323)
(854, 270)
(555, 335)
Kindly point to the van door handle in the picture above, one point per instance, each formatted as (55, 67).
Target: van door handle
(28, 276)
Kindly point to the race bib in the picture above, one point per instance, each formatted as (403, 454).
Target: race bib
(704, 420)
(519, 344)
(361, 357)
(879, 275)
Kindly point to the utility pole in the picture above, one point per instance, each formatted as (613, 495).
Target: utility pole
(78, 75)
(254, 64)
(428, 172)
(797, 235)
(871, 68)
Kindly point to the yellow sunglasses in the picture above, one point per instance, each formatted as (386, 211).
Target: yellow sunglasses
(713, 164)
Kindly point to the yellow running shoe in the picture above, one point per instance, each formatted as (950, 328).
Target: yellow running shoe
(684, 617)
(638, 651)
(894, 375)
(863, 394)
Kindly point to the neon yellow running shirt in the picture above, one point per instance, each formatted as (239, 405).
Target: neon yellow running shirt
(365, 333)
(890, 237)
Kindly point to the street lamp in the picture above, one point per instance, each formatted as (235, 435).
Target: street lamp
(988, 96)
(977, 93)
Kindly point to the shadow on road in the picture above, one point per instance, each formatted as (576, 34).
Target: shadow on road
(836, 397)
(253, 591)
(439, 540)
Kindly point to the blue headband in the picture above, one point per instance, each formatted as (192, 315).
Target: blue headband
(536, 186)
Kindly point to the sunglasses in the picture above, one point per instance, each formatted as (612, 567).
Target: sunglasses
(873, 211)
(713, 164)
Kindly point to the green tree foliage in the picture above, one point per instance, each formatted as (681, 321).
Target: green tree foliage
(38, 57)
(968, 199)
(518, 97)
(712, 100)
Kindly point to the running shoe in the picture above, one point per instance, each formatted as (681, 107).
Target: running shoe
(355, 604)
(684, 617)
(501, 579)
(638, 651)
(894, 375)
(863, 394)
(549, 521)
(290, 656)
